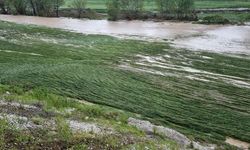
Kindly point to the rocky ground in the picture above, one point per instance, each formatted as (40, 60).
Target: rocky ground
(26, 125)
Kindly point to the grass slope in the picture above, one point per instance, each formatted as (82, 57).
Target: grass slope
(51, 108)
(88, 67)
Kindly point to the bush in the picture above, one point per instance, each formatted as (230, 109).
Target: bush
(177, 9)
(63, 129)
(215, 19)
(18, 6)
(129, 9)
(79, 5)
(35, 7)
(2, 6)
(113, 7)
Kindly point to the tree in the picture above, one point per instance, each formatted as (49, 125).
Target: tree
(176, 9)
(167, 6)
(113, 7)
(185, 8)
(57, 4)
(2, 6)
(79, 5)
(131, 8)
(33, 7)
(19, 6)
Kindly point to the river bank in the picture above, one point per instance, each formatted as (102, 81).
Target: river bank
(231, 39)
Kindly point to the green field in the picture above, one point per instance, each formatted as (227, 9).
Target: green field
(150, 5)
(197, 93)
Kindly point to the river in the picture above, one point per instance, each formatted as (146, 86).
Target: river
(216, 38)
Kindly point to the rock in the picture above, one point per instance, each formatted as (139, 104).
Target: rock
(181, 139)
(172, 134)
(198, 146)
(19, 122)
(149, 128)
(146, 126)
(76, 126)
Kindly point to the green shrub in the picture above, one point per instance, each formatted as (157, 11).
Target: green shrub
(215, 19)
(3, 128)
(177, 9)
(63, 129)
(113, 7)
(129, 9)
(79, 5)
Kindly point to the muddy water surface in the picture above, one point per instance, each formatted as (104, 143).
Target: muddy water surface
(217, 38)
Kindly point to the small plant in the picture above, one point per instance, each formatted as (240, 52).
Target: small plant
(63, 129)
(3, 128)
(79, 147)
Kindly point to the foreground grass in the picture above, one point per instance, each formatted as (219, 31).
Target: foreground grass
(61, 136)
(88, 67)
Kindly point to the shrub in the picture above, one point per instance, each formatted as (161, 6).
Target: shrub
(2, 6)
(3, 127)
(63, 129)
(79, 5)
(215, 19)
(18, 6)
(177, 9)
(129, 9)
(35, 7)
(185, 9)
(113, 7)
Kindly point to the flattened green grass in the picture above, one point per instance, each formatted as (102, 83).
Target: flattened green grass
(86, 67)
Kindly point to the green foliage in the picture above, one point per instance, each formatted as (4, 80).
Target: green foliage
(129, 9)
(177, 9)
(35, 7)
(79, 147)
(113, 9)
(215, 19)
(63, 129)
(167, 6)
(3, 127)
(132, 7)
(19, 6)
(185, 8)
(79, 5)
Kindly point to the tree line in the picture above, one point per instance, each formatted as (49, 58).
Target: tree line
(116, 9)
(31, 7)
(168, 9)
(38, 7)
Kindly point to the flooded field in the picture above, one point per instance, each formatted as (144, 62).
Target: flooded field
(216, 38)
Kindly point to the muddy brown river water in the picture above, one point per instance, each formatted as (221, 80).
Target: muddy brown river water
(216, 38)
